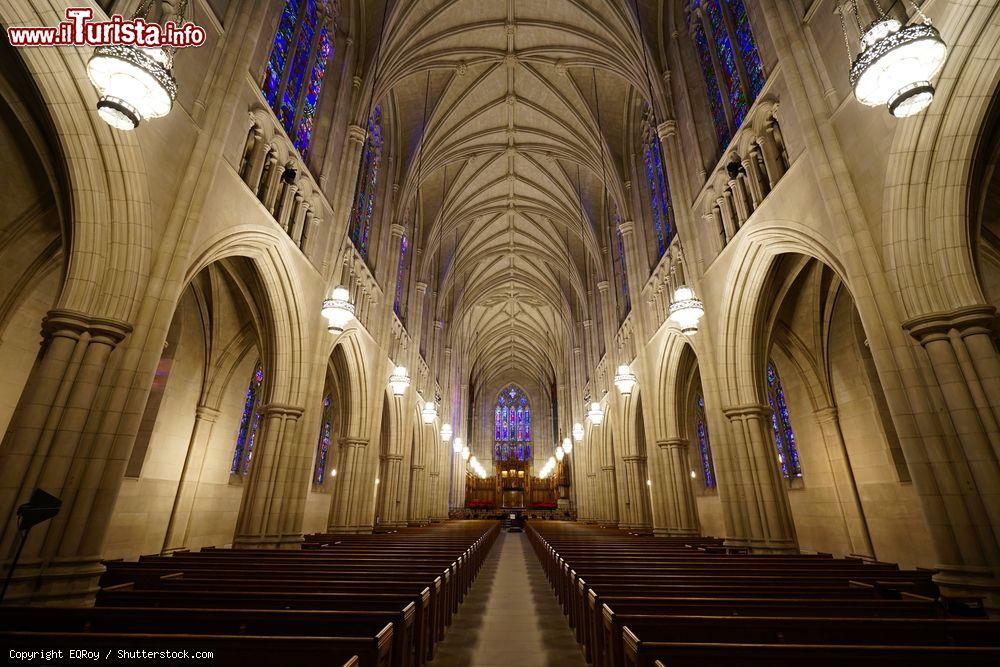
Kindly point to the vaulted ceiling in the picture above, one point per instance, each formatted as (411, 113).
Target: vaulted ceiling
(511, 115)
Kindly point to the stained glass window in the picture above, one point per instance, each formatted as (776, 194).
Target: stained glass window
(367, 187)
(659, 191)
(400, 269)
(781, 424)
(512, 425)
(249, 423)
(323, 448)
(729, 59)
(704, 446)
(293, 76)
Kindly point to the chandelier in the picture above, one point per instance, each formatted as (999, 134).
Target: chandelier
(560, 453)
(686, 310)
(896, 62)
(625, 379)
(429, 413)
(399, 381)
(547, 468)
(465, 453)
(446, 432)
(595, 414)
(338, 310)
(477, 467)
(578, 432)
(457, 446)
(134, 83)
(567, 445)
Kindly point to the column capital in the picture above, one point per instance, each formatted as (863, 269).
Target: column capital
(355, 133)
(59, 321)
(827, 414)
(626, 227)
(673, 443)
(607, 468)
(587, 324)
(632, 458)
(602, 286)
(421, 287)
(396, 229)
(283, 410)
(354, 442)
(205, 413)
(391, 457)
(967, 320)
(744, 411)
(666, 129)
(438, 324)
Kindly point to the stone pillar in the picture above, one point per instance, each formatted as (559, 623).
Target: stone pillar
(726, 212)
(391, 513)
(268, 493)
(289, 197)
(178, 528)
(255, 165)
(609, 496)
(297, 225)
(774, 164)
(757, 483)
(682, 516)
(966, 367)
(269, 184)
(352, 489)
(46, 447)
(635, 476)
(853, 512)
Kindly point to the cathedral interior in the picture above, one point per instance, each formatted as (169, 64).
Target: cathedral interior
(596, 296)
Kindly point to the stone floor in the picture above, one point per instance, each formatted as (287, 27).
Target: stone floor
(510, 616)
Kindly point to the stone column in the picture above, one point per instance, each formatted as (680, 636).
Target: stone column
(187, 487)
(757, 483)
(635, 477)
(267, 496)
(46, 447)
(289, 197)
(391, 481)
(352, 488)
(268, 194)
(609, 496)
(726, 213)
(682, 516)
(255, 165)
(966, 367)
(853, 512)
(297, 226)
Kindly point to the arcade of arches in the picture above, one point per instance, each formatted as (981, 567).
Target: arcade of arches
(511, 191)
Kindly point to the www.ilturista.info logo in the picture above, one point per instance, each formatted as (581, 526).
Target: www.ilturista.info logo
(79, 30)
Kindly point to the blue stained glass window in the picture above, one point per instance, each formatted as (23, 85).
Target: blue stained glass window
(781, 424)
(512, 431)
(293, 76)
(303, 135)
(659, 192)
(727, 58)
(705, 447)
(747, 46)
(400, 268)
(622, 267)
(323, 448)
(249, 423)
(364, 199)
(712, 83)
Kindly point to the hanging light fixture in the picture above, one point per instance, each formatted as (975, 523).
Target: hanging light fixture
(465, 453)
(686, 310)
(134, 83)
(457, 446)
(625, 379)
(896, 62)
(399, 381)
(578, 432)
(429, 413)
(446, 432)
(595, 414)
(338, 310)
(567, 445)
(560, 453)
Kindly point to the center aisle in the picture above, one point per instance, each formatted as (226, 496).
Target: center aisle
(510, 616)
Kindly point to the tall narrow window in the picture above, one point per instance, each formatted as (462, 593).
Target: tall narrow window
(400, 274)
(622, 269)
(704, 446)
(659, 191)
(249, 423)
(293, 76)
(512, 425)
(367, 187)
(781, 424)
(730, 61)
(323, 448)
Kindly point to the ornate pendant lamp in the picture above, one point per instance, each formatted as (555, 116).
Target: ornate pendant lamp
(338, 310)
(595, 414)
(686, 310)
(134, 83)
(457, 446)
(466, 453)
(560, 453)
(567, 445)
(578, 432)
(625, 379)
(429, 413)
(896, 62)
(399, 381)
(446, 432)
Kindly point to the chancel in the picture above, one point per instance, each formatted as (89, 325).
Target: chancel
(490, 332)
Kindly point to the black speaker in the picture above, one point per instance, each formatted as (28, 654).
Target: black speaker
(40, 507)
